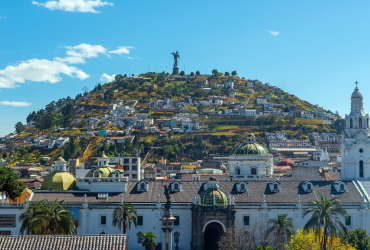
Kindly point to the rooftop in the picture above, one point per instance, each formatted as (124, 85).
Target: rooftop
(106, 241)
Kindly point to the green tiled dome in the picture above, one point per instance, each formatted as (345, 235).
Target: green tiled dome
(206, 197)
(58, 181)
(251, 149)
(105, 171)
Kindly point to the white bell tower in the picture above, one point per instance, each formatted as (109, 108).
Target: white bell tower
(355, 142)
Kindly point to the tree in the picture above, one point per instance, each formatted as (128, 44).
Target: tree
(19, 127)
(214, 72)
(192, 74)
(10, 146)
(123, 216)
(9, 184)
(227, 73)
(47, 219)
(31, 220)
(308, 240)
(325, 218)
(283, 228)
(149, 240)
(234, 73)
(182, 73)
(85, 89)
(84, 122)
(358, 238)
(197, 73)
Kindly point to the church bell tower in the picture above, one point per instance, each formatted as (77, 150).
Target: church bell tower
(355, 142)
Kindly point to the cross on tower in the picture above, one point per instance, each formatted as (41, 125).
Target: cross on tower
(356, 82)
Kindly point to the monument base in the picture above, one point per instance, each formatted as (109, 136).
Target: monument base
(175, 70)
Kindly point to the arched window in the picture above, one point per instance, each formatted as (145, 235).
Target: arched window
(99, 163)
(253, 171)
(360, 123)
(341, 186)
(361, 168)
(350, 123)
(117, 174)
(176, 186)
(309, 186)
(242, 186)
(96, 174)
(142, 186)
(275, 186)
(104, 163)
(238, 170)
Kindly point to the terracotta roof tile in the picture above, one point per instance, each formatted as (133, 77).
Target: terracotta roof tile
(107, 241)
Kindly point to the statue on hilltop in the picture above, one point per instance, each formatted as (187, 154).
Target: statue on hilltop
(175, 56)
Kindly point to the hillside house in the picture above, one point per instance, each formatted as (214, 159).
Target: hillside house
(231, 94)
(203, 82)
(250, 112)
(267, 107)
(148, 122)
(189, 126)
(308, 115)
(207, 90)
(112, 106)
(260, 100)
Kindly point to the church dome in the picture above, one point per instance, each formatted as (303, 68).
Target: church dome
(58, 181)
(206, 197)
(286, 162)
(356, 93)
(250, 149)
(104, 171)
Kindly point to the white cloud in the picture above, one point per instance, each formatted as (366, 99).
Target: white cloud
(274, 33)
(2, 17)
(15, 104)
(74, 5)
(107, 78)
(79, 52)
(37, 70)
(42, 70)
(121, 50)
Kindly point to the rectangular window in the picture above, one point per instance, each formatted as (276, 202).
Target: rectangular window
(126, 160)
(140, 220)
(134, 160)
(177, 221)
(246, 220)
(7, 220)
(134, 168)
(5, 233)
(348, 220)
(158, 171)
(103, 220)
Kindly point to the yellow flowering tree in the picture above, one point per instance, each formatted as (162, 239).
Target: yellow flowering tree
(307, 240)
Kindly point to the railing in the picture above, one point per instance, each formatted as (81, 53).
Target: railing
(102, 179)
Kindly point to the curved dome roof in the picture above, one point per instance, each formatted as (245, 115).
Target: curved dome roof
(60, 159)
(251, 149)
(356, 93)
(287, 162)
(206, 197)
(59, 181)
(105, 171)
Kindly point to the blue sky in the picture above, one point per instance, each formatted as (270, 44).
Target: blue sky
(52, 49)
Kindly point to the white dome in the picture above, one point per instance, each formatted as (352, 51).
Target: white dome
(356, 93)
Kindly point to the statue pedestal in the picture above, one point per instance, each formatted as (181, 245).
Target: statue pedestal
(175, 70)
(167, 226)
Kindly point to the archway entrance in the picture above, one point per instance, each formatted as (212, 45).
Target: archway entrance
(212, 235)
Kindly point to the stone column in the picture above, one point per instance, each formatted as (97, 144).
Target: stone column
(167, 226)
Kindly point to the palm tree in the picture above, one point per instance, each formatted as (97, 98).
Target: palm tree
(47, 219)
(123, 216)
(326, 215)
(57, 219)
(283, 227)
(149, 240)
(30, 219)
